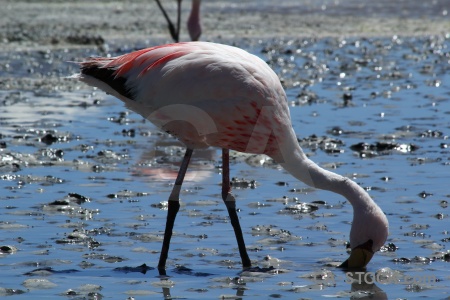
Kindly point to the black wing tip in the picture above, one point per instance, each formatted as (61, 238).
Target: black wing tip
(108, 76)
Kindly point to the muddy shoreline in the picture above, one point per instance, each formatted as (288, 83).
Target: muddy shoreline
(37, 24)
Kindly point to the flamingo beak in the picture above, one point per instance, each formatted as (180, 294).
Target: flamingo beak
(359, 257)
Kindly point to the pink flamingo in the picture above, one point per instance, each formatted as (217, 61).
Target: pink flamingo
(193, 23)
(208, 94)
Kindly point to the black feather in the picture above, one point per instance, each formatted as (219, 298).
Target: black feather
(107, 75)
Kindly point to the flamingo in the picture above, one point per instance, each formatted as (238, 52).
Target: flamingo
(207, 94)
(193, 23)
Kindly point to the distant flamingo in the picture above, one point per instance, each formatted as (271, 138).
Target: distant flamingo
(193, 23)
(208, 94)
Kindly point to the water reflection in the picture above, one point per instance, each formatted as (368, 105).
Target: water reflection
(162, 161)
(166, 284)
(363, 285)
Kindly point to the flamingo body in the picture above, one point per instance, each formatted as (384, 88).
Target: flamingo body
(209, 94)
(195, 91)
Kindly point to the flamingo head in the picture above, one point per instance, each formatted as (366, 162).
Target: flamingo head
(360, 256)
(368, 234)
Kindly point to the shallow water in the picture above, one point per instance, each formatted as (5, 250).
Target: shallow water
(84, 183)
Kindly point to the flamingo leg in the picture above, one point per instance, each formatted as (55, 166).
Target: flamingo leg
(230, 203)
(173, 207)
(175, 33)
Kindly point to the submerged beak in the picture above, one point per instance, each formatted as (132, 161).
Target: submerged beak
(359, 257)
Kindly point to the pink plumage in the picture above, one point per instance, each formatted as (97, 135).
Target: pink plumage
(209, 94)
(195, 91)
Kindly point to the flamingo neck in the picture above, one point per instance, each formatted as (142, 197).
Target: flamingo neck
(294, 160)
(193, 23)
(195, 9)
